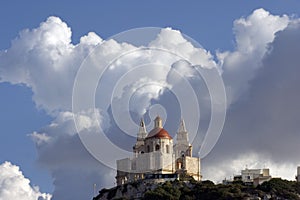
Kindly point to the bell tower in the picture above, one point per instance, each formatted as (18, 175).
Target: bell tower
(141, 135)
(182, 146)
(182, 135)
(142, 131)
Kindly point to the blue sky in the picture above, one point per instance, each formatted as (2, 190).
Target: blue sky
(208, 22)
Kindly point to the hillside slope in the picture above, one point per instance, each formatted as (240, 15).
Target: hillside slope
(205, 190)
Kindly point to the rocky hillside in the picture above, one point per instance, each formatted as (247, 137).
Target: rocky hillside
(273, 189)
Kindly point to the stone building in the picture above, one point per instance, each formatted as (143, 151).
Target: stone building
(255, 176)
(155, 153)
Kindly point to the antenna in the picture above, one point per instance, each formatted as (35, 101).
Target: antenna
(95, 185)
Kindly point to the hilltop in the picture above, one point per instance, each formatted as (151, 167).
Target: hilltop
(276, 188)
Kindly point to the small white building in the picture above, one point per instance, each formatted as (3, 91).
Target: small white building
(255, 176)
(155, 153)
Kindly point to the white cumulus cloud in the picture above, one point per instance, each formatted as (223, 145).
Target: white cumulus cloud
(45, 60)
(13, 185)
(252, 35)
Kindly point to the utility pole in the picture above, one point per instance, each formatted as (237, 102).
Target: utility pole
(95, 185)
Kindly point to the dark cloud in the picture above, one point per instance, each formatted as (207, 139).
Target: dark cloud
(265, 121)
(73, 169)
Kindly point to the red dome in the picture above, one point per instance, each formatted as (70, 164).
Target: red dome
(159, 133)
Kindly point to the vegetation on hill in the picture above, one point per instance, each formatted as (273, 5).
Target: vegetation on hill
(273, 189)
(206, 190)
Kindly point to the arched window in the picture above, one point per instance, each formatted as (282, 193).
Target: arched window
(148, 148)
(142, 152)
(167, 149)
(182, 154)
(179, 164)
(157, 147)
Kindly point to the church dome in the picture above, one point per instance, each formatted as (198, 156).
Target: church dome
(159, 133)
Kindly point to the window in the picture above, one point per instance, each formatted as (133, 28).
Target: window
(157, 147)
(179, 164)
(148, 148)
(167, 149)
(182, 154)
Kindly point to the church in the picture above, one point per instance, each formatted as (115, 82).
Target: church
(154, 153)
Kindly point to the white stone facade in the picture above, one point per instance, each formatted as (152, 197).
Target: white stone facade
(255, 176)
(155, 153)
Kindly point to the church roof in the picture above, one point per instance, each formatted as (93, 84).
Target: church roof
(159, 133)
